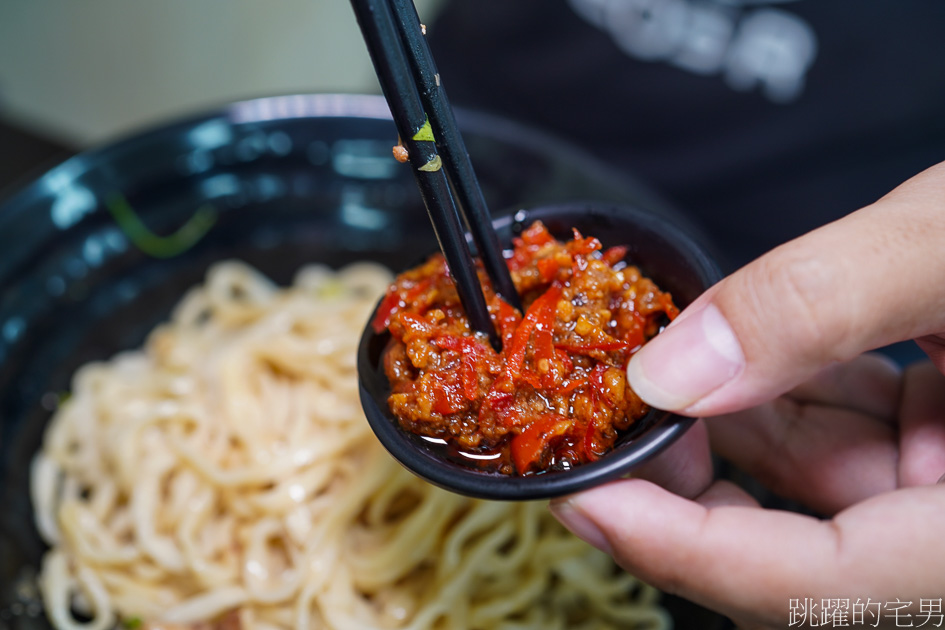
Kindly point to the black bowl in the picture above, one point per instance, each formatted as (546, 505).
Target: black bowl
(663, 250)
(292, 180)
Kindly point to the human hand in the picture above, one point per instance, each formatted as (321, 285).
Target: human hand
(856, 440)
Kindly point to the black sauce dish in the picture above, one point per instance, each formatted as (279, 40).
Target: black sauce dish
(289, 180)
(664, 251)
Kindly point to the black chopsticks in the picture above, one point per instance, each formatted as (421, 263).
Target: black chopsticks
(455, 157)
(436, 151)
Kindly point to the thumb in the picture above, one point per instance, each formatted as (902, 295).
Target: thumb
(872, 278)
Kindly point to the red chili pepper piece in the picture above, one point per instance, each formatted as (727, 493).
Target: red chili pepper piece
(418, 289)
(583, 348)
(446, 394)
(544, 348)
(571, 385)
(508, 321)
(581, 246)
(536, 234)
(502, 406)
(385, 311)
(532, 379)
(527, 245)
(528, 446)
(519, 260)
(542, 311)
(548, 269)
(472, 360)
(613, 255)
(539, 315)
(596, 378)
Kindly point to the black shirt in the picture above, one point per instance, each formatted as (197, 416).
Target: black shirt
(760, 119)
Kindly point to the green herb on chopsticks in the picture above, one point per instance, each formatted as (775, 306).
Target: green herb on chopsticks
(425, 133)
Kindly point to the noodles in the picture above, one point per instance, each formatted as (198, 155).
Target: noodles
(224, 477)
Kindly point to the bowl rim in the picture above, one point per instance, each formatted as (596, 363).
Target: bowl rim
(315, 105)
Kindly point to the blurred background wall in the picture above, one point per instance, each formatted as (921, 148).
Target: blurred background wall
(84, 71)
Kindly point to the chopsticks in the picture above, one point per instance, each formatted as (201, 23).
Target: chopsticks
(436, 152)
(455, 157)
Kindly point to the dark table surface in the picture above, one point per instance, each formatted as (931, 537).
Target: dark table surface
(25, 154)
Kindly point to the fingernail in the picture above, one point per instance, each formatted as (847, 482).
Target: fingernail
(579, 525)
(686, 361)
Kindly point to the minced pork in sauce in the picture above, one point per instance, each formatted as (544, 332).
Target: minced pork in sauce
(556, 396)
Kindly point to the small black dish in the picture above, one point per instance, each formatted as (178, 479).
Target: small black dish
(663, 251)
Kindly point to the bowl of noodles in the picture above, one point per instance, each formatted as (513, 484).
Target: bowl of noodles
(182, 443)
